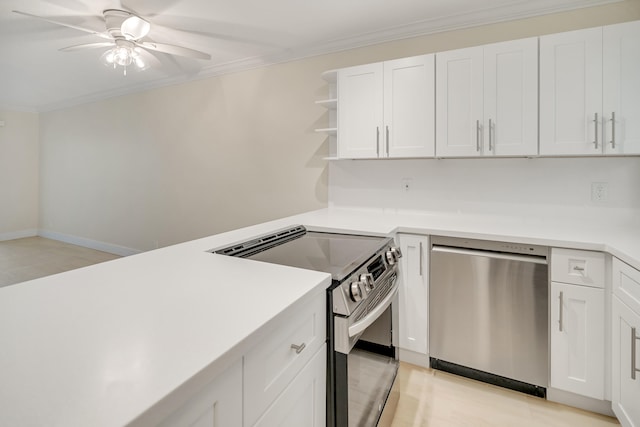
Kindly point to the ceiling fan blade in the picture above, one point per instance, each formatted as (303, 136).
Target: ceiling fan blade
(174, 50)
(86, 46)
(64, 24)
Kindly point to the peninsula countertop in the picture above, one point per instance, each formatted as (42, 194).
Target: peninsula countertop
(124, 342)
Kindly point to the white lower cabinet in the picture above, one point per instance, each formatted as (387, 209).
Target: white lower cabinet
(271, 366)
(626, 344)
(413, 294)
(219, 404)
(302, 403)
(577, 328)
(280, 363)
(281, 381)
(578, 339)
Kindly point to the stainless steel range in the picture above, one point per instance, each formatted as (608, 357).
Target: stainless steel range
(361, 360)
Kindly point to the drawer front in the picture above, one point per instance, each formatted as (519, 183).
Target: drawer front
(272, 364)
(578, 267)
(626, 283)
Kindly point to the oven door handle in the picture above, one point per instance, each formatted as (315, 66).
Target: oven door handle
(366, 321)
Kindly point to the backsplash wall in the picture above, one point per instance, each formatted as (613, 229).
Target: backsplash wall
(485, 185)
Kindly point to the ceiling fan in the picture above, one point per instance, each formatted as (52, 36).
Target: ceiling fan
(125, 36)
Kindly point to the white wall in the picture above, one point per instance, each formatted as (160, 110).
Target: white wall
(18, 174)
(186, 161)
(176, 163)
(535, 185)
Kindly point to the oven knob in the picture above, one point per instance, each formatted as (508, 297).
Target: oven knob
(356, 291)
(368, 281)
(393, 255)
(397, 251)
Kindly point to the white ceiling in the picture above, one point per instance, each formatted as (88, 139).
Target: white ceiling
(238, 34)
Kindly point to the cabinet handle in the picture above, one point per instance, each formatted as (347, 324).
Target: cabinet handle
(377, 141)
(387, 135)
(298, 348)
(613, 129)
(490, 135)
(420, 259)
(477, 135)
(578, 268)
(595, 121)
(561, 311)
(634, 338)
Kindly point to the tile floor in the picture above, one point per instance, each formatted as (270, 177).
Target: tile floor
(425, 398)
(428, 398)
(34, 257)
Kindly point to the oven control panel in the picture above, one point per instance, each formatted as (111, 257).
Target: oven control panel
(361, 285)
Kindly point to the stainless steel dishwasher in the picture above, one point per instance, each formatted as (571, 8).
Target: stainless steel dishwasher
(488, 305)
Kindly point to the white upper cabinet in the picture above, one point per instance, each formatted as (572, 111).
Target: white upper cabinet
(511, 98)
(589, 91)
(387, 109)
(409, 107)
(487, 100)
(571, 93)
(360, 110)
(621, 88)
(459, 102)
(568, 94)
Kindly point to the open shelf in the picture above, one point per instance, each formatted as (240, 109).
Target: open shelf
(330, 104)
(330, 131)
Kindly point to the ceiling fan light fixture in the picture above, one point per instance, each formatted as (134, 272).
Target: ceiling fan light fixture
(135, 28)
(123, 56)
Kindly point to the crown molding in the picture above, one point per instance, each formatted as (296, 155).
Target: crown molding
(520, 10)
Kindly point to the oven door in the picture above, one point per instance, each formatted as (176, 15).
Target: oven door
(365, 363)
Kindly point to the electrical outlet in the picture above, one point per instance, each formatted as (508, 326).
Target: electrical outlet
(599, 191)
(406, 184)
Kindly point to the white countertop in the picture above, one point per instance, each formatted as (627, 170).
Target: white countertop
(100, 346)
(126, 341)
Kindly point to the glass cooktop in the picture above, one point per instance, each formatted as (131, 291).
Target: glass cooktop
(336, 254)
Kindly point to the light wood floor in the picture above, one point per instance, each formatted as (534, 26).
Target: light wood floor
(425, 398)
(437, 399)
(34, 257)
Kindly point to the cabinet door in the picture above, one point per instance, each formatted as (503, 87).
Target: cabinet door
(511, 98)
(409, 107)
(303, 402)
(571, 93)
(626, 370)
(219, 404)
(360, 110)
(275, 361)
(413, 294)
(621, 91)
(577, 339)
(459, 102)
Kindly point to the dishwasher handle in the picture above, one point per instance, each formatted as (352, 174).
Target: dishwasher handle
(489, 254)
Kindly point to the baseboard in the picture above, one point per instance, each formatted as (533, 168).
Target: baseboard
(582, 402)
(19, 234)
(89, 243)
(414, 358)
